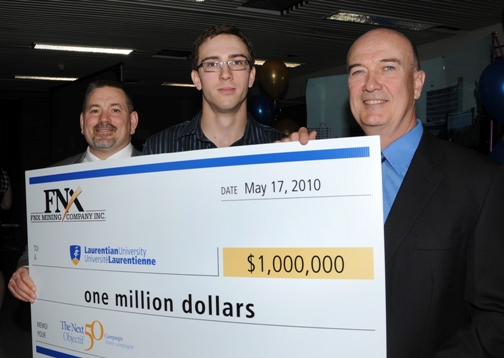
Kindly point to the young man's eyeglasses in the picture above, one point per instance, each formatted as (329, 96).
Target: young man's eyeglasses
(234, 65)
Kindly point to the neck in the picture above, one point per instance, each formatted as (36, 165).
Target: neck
(223, 129)
(388, 136)
(105, 153)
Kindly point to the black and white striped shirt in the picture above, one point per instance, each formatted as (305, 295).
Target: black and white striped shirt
(189, 136)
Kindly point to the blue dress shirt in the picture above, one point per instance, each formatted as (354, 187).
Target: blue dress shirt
(398, 156)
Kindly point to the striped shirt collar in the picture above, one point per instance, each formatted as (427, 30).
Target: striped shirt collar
(194, 128)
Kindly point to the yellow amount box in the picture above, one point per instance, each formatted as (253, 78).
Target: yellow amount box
(354, 263)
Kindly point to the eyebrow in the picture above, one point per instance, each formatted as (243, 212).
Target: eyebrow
(94, 105)
(229, 56)
(391, 60)
(354, 65)
(385, 60)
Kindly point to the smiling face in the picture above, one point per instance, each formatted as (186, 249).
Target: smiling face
(384, 84)
(106, 122)
(224, 91)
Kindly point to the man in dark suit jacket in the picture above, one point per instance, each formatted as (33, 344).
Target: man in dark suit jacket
(107, 121)
(443, 209)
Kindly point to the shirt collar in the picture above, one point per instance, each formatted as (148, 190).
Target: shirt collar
(400, 152)
(123, 153)
(194, 128)
(251, 127)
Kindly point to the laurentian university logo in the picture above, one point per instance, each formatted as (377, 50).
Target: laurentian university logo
(75, 254)
(63, 205)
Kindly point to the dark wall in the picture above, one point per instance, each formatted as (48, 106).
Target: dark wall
(24, 145)
(157, 113)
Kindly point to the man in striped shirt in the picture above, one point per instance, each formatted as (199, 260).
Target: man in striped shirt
(223, 70)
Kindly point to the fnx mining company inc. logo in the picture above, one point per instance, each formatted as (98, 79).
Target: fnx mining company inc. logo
(63, 205)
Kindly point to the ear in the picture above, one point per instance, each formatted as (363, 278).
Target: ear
(252, 76)
(419, 78)
(134, 121)
(196, 79)
(82, 123)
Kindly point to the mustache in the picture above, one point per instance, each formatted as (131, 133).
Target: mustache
(105, 126)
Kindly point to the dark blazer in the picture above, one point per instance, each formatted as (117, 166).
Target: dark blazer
(444, 256)
(80, 157)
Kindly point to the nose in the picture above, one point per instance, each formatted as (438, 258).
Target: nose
(226, 72)
(104, 116)
(372, 82)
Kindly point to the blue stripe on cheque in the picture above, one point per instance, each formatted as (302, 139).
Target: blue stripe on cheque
(55, 354)
(324, 154)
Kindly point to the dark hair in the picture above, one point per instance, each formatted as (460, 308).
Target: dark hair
(213, 31)
(106, 83)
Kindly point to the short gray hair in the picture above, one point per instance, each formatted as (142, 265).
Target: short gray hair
(106, 83)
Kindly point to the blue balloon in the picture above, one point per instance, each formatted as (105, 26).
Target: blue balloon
(262, 109)
(491, 89)
(497, 152)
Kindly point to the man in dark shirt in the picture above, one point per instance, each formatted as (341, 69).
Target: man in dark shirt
(223, 70)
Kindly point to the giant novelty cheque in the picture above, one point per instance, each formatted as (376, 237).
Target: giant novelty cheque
(271, 250)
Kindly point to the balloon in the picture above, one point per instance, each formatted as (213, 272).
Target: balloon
(274, 77)
(262, 109)
(287, 126)
(497, 152)
(491, 89)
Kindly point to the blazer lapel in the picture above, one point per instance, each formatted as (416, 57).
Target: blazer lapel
(80, 158)
(135, 152)
(417, 188)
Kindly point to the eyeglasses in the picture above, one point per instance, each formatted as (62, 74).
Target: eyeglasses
(234, 65)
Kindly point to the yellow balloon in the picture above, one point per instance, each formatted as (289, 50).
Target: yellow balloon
(274, 77)
(287, 126)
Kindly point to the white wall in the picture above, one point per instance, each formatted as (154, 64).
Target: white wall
(327, 104)
(444, 62)
(297, 85)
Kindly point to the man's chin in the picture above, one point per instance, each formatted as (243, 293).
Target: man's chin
(103, 144)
